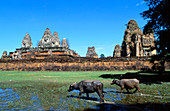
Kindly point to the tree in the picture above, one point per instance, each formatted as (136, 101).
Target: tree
(158, 16)
(102, 56)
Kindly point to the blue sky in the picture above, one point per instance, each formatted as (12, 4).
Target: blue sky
(85, 23)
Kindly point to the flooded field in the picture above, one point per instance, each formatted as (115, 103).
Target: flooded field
(50, 99)
(48, 91)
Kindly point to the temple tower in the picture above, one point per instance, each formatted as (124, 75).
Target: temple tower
(91, 52)
(49, 40)
(64, 43)
(55, 41)
(46, 39)
(117, 51)
(132, 43)
(26, 42)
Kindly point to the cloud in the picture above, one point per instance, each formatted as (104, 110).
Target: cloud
(142, 2)
(137, 4)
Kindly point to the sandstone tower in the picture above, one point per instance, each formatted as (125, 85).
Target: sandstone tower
(4, 55)
(117, 51)
(26, 42)
(132, 44)
(64, 43)
(48, 40)
(49, 46)
(135, 43)
(55, 40)
(148, 42)
(91, 52)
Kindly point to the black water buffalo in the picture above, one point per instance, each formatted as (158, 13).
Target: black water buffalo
(128, 84)
(87, 87)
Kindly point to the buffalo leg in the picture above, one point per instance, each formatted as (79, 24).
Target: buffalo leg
(122, 90)
(137, 88)
(80, 94)
(87, 95)
(81, 91)
(127, 90)
(101, 95)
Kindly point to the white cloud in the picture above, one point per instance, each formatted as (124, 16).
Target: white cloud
(142, 2)
(137, 4)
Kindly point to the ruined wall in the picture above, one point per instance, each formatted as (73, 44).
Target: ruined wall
(78, 64)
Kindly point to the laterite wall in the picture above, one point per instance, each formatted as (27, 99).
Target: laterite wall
(78, 64)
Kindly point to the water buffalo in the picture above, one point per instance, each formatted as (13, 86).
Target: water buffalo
(87, 86)
(128, 84)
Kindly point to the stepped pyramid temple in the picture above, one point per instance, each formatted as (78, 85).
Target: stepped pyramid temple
(135, 43)
(49, 45)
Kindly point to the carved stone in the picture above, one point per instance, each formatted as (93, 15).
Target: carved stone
(117, 51)
(91, 52)
(135, 43)
(46, 40)
(50, 52)
(26, 42)
(148, 43)
(49, 40)
(64, 43)
(4, 53)
(16, 55)
(55, 41)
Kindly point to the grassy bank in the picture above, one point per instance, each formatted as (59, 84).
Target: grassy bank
(48, 90)
(26, 78)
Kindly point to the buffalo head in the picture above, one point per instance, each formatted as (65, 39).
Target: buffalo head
(113, 82)
(72, 87)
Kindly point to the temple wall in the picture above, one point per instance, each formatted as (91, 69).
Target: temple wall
(78, 64)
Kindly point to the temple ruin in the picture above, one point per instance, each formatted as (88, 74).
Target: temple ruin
(49, 40)
(117, 51)
(49, 46)
(26, 42)
(91, 52)
(4, 55)
(64, 43)
(135, 43)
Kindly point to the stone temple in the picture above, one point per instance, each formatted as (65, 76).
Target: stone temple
(117, 51)
(4, 55)
(91, 52)
(135, 43)
(26, 42)
(49, 40)
(48, 46)
(64, 43)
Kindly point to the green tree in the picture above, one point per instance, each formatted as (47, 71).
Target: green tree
(102, 56)
(158, 16)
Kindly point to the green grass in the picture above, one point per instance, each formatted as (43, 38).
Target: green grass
(59, 77)
(50, 90)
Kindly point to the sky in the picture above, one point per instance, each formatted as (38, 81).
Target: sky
(84, 23)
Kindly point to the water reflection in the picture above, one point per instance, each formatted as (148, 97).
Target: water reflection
(47, 99)
(11, 100)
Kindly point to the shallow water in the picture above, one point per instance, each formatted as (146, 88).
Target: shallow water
(12, 99)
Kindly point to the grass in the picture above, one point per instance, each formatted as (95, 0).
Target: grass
(48, 90)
